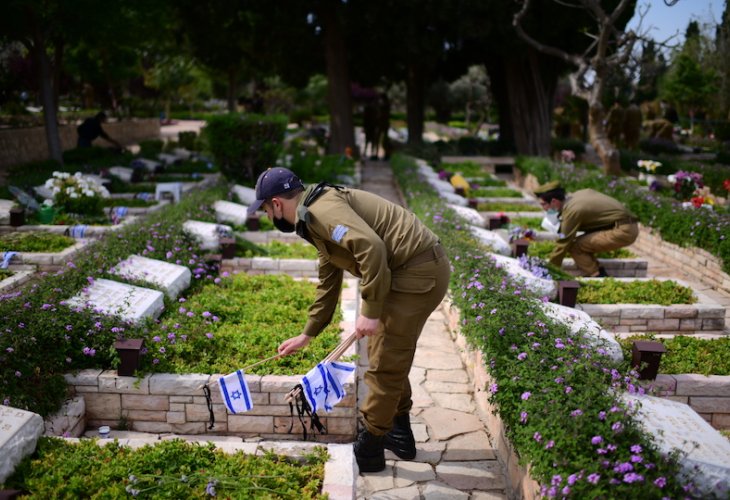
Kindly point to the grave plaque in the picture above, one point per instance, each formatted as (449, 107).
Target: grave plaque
(542, 286)
(5, 206)
(246, 195)
(469, 214)
(172, 278)
(150, 165)
(207, 233)
(491, 239)
(235, 213)
(181, 153)
(131, 303)
(706, 453)
(168, 159)
(124, 173)
(19, 432)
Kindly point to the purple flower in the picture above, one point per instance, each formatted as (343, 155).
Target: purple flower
(623, 467)
(162, 350)
(572, 479)
(206, 314)
(493, 388)
(633, 477)
(521, 356)
(549, 444)
(45, 307)
(596, 440)
(594, 478)
(576, 413)
(209, 335)
(523, 417)
(636, 448)
(537, 437)
(556, 480)
(660, 482)
(18, 374)
(526, 395)
(616, 427)
(601, 415)
(156, 338)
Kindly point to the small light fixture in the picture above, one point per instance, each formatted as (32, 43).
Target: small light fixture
(253, 224)
(568, 293)
(519, 247)
(228, 247)
(129, 355)
(645, 358)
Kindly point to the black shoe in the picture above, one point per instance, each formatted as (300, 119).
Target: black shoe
(400, 439)
(369, 452)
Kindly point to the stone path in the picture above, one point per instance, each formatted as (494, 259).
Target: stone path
(455, 458)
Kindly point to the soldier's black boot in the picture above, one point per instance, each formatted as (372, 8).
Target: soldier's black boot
(369, 452)
(400, 439)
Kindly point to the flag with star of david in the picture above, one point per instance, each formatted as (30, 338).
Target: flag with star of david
(324, 385)
(235, 393)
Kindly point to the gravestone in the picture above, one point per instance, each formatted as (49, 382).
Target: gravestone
(174, 189)
(131, 303)
(182, 153)
(150, 165)
(168, 159)
(172, 278)
(19, 432)
(207, 233)
(5, 206)
(471, 216)
(246, 195)
(124, 173)
(580, 322)
(706, 458)
(542, 286)
(491, 239)
(235, 213)
(454, 199)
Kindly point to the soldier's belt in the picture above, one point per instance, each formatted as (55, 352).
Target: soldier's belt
(432, 253)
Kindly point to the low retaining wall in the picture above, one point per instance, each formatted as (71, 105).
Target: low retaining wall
(298, 268)
(615, 268)
(705, 318)
(29, 144)
(49, 262)
(707, 395)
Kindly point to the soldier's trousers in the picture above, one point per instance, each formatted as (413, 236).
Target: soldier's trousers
(415, 292)
(585, 247)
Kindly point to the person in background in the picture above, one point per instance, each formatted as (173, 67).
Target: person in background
(90, 129)
(605, 223)
(404, 274)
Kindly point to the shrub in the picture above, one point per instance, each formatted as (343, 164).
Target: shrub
(656, 146)
(610, 291)
(687, 354)
(84, 155)
(76, 194)
(558, 144)
(245, 145)
(34, 242)
(188, 140)
(150, 148)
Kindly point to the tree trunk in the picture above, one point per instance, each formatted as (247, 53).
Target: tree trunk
(231, 94)
(50, 120)
(606, 151)
(339, 99)
(415, 103)
(498, 86)
(58, 49)
(531, 89)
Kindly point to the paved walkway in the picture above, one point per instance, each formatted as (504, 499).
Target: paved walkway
(455, 459)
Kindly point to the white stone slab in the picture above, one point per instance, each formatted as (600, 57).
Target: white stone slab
(173, 188)
(540, 286)
(5, 206)
(131, 303)
(172, 278)
(168, 159)
(491, 239)
(580, 323)
(454, 199)
(441, 186)
(226, 211)
(207, 233)
(470, 215)
(124, 173)
(246, 195)
(150, 165)
(19, 432)
(706, 453)
(182, 153)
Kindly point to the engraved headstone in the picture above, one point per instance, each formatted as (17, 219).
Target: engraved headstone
(131, 303)
(491, 239)
(580, 322)
(226, 211)
(246, 195)
(124, 173)
(207, 233)
(706, 453)
(542, 286)
(468, 214)
(172, 278)
(19, 432)
(454, 199)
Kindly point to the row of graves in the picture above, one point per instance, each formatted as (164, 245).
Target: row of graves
(240, 411)
(681, 414)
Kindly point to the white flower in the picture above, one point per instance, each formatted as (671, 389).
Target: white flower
(89, 193)
(78, 175)
(73, 195)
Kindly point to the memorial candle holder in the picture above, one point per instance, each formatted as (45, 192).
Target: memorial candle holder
(253, 224)
(645, 358)
(228, 248)
(568, 293)
(519, 247)
(129, 351)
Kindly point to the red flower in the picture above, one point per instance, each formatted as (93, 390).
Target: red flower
(698, 201)
(726, 184)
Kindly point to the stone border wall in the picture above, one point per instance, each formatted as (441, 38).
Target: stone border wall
(21, 275)
(615, 268)
(90, 232)
(705, 318)
(709, 396)
(49, 262)
(298, 268)
(174, 403)
(24, 145)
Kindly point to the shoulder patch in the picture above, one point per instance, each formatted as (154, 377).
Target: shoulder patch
(339, 232)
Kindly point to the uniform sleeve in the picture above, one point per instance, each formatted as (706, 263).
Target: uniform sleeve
(328, 293)
(348, 230)
(569, 225)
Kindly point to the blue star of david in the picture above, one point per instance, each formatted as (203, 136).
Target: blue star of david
(318, 390)
(236, 395)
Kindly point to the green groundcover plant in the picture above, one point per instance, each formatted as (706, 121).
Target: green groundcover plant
(275, 249)
(35, 241)
(543, 249)
(507, 207)
(168, 469)
(485, 181)
(611, 291)
(687, 354)
(4, 274)
(496, 192)
(706, 229)
(556, 394)
(534, 223)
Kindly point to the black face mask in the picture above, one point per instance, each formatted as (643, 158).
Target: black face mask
(283, 225)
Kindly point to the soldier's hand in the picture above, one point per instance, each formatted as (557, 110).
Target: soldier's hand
(366, 327)
(293, 344)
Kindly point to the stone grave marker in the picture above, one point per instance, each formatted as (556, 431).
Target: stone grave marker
(677, 426)
(207, 233)
(182, 153)
(150, 165)
(491, 239)
(542, 286)
(246, 195)
(124, 173)
(131, 303)
(5, 206)
(469, 214)
(172, 278)
(226, 211)
(19, 432)
(168, 159)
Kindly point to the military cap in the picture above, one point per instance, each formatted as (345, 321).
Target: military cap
(547, 187)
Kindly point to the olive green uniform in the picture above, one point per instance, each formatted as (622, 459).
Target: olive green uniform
(403, 275)
(607, 224)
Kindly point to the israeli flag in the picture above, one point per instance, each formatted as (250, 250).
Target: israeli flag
(235, 393)
(77, 231)
(121, 211)
(324, 385)
(7, 257)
